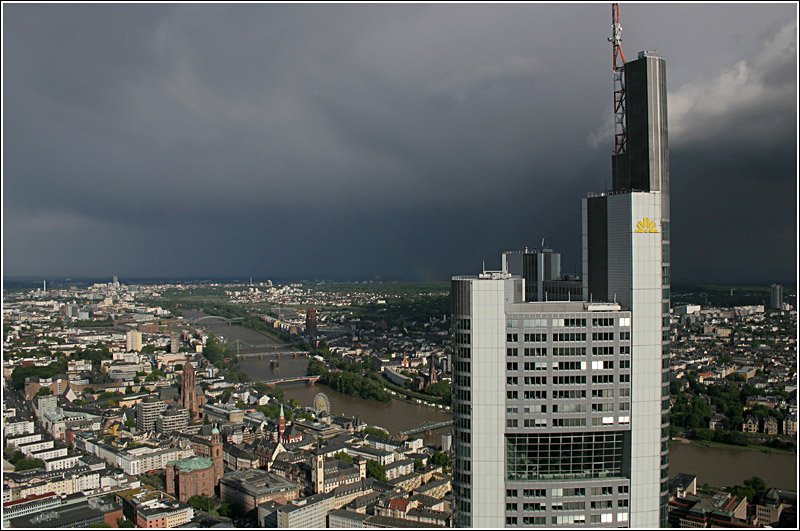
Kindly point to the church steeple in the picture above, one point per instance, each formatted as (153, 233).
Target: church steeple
(281, 426)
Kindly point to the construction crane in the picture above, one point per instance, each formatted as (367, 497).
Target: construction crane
(617, 66)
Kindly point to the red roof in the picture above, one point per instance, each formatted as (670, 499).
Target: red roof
(398, 505)
(32, 497)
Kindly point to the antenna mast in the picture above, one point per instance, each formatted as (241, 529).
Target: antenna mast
(617, 66)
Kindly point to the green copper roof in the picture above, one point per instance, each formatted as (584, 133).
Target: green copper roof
(191, 464)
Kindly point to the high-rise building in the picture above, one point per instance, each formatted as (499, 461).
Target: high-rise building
(133, 341)
(776, 297)
(174, 343)
(172, 419)
(536, 266)
(147, 413)
(311, 322)
(561, 408)
(626, 258)
(541, 404)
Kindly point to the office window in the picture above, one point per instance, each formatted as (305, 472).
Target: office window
(535, 338)
(569, 351)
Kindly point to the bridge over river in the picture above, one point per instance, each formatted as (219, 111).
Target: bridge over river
(426, 427)
(291, 379)
(273, 354)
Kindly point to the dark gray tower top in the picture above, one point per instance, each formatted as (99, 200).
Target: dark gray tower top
(644, 166)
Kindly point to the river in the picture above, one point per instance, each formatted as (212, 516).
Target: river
(731, 466)
(394, 416)
(713, 465)
(260, 369)
(250, 340)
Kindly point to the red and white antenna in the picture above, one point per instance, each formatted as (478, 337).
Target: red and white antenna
(617, 64)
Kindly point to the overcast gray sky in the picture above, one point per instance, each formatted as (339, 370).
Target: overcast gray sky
(410, 142)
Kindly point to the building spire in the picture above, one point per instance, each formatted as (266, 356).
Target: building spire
(281, 425)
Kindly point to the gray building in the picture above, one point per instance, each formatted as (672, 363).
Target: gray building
(561, 408)
(541, 269)
(250, 488)
(776, 296)
(626, 258)
(148, 412)
(540, 437)
(172, 419)
(307, 513)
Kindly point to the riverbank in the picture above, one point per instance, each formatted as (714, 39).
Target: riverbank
(413, 397)
(405, 398)
(395, 416)
(725, 465)
(713, 444)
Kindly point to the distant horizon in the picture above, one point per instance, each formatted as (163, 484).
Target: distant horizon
(33, 279)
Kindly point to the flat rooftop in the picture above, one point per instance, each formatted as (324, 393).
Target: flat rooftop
(562, 307)
(256, 482)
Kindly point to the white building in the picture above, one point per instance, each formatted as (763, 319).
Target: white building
(561, 408)
(133, 341)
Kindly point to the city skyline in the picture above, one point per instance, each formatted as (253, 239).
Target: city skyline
(355, 142)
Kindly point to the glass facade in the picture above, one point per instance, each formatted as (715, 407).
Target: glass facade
(532, 457)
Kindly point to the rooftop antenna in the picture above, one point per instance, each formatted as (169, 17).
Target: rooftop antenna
(484, 266)
(617, 67)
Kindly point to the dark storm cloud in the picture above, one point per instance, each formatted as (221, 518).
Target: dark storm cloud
(402, 141)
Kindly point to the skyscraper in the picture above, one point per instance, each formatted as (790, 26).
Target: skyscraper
(776, 296)
(626, 258)
(541, 404)
(560, 408)
(541, 270)
(133, 341)
(535, 266)
(311, 322)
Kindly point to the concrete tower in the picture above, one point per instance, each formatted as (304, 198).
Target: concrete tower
(626, 258)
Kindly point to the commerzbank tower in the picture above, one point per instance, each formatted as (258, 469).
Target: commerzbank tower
(561, 406)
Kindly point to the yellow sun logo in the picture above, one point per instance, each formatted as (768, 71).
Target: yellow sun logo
(646, 225)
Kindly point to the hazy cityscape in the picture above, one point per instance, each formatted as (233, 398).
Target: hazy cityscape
(273, 345)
